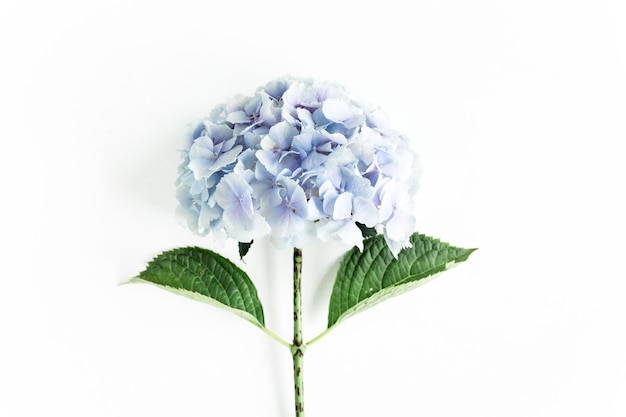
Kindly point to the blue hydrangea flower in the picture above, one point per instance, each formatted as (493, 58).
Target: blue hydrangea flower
(297, 161)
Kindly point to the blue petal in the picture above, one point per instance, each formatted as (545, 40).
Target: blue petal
(234, 192)
(269, 159)
(313, 160)
(365, 212)
(343, 207)
(350, 234)
(297, 198)
(315, 209)
(337, 110)
(226, 158)
(400, 226)
(253, 106)
(238, 116)
(282, 134)
(276, 88)
(219, 133)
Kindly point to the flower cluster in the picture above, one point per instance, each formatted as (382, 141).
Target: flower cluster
(298, 160)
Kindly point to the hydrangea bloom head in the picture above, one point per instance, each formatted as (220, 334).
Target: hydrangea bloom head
(298, 160)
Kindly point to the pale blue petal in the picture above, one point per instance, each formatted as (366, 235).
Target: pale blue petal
(226, 158)
(236, 103)
(201, 148)
(337, 110)
(201, 168)
(198, 131)
(328, 201)
(306, 118)
(350, 234)
(276, 88)
(282, 134)
(343, 207)
(315, 210)
(261, 173)
(243, 227)
(286, 225)
(302, 232)
(252, 140)
(301, 95)
(197, 186)
(253, 106)
(320, 120)
(365, 212)
(345, 230)
(270, 160)
(313, 160)
(269, 114)
(400, 226)
(219, 133)
(234, 192)
(303, 142)
(396, 247)
(238, 116)
(338, 138)
(208, 215)
(297, 199)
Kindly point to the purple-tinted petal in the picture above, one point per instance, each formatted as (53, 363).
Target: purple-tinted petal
(234, 192)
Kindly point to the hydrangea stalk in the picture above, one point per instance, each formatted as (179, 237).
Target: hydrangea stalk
(297, 161)
(298, 347)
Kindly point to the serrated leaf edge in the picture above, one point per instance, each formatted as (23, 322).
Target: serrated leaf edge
(201, 298)
(389, 292)
(392, 291)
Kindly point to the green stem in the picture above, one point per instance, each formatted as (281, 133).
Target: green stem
(319, 336)
(275, 336)
(298, 347)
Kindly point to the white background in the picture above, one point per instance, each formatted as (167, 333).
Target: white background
(516, 108)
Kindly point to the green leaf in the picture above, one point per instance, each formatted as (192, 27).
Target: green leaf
(206, 276)
(369, 277)
(244, 247)
(366, 231)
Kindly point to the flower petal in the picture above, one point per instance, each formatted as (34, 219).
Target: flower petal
(282, 134)
(343, 207)
(238, 116)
